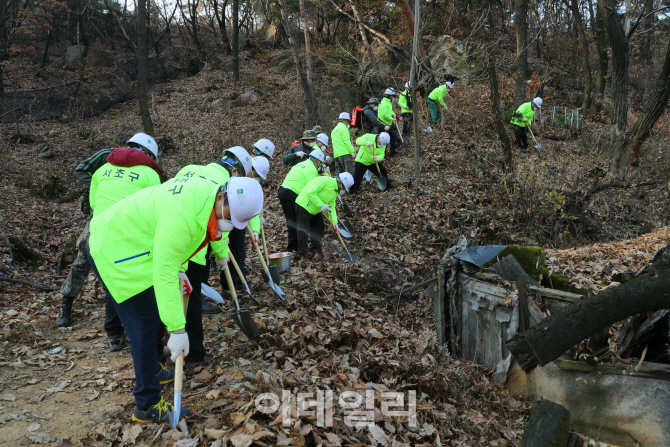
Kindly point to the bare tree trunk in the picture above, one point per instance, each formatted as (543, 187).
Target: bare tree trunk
(647, 55)
(84, 44)
(364, 38)
(314, 112)
(236, 40)
(413, 72)
(602, 44)
(655, 106)
(310, 101)
(620, 63)
(508, 162)
(143, 67)
(588, 87)
(521, 49)
(409, 17)
(221, 20)
(46, 49)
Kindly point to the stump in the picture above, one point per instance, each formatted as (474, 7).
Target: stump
(548, 426)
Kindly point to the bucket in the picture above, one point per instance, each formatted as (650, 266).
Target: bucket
(281, 260)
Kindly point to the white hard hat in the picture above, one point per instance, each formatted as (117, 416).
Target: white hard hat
(450, 85)
(344, 116)
(265, 146)
(245, 198)
(261, 166)
(390, 91)
(538, 102)
(384, 139)
(347, 180)
(147, 142)
(407, 85)
(242, 157)
(318, 154)
(322, 138)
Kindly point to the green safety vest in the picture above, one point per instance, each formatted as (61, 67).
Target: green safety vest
(321, 190)
(365, 153)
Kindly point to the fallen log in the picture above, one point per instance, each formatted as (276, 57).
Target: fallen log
(550, 338)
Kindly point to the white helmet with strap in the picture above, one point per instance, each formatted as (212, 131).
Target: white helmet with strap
(347, 180)
(265, 146)
(318, 154)
(261, 166)
(147, 142)
(322, 138)
(384, 139)
(245, 198)
(390, 91)
(450, 85)
(344, 116)
(538, 102)
(241, 157)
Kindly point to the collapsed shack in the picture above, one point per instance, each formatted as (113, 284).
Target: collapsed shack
(499, 307)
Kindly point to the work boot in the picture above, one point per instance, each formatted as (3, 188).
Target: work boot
(209, 308)
(165, 375)
(65, 314)
(158, 412)
(195, 364)
(116, 342)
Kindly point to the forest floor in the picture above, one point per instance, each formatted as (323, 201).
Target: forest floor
(345, 326)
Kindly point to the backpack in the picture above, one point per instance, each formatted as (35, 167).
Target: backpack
(357, 117)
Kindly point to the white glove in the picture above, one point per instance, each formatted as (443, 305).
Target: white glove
(255, 236)
(299, 153)
(187, 284)
(262, 220)
(353, 155)
(177, 343)
(222, 262)
(325, 208)
(445, 108)
(368, 144)
(375, 158)
(387, 127)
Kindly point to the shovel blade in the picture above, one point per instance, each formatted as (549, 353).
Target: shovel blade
(246, 284)
(382, 183)
(343, 231)
(538, 148)
(247, 325)
(274, 274)
(173, 416)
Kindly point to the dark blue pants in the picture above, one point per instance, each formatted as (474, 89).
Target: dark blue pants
(197, 274)
(139, 315)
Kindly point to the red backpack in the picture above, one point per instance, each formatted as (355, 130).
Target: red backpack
(357, 117)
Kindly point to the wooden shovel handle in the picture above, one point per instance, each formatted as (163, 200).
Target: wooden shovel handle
(339, 236)
(229, 280)
(265, 245)
(258, 250)
(237, 267)
(179, 373)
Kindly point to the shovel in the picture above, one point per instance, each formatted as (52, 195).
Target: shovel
(537, 147)
(210, 293)
(242, 318)
(242, 278)
(267, 276)
(174, 415)
(345, 207)
(382, 182)
(274, 270)
(345, 229)
(353, 257)
(399, 133)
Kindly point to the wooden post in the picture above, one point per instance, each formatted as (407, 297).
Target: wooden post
(524, 314)
(412, 87)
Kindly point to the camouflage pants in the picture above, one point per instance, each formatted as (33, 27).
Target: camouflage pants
(344, 163)
(80, 268)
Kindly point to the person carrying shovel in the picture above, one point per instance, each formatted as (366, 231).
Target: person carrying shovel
(522, 118)
(318, 197)
(436, 100)
(370, 155)
(293, 184)
(234, 162)
(343, 150)
(139, 250)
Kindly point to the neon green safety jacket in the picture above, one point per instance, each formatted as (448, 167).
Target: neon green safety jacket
(365, 153)
(321, 190)
(300, 175)
(220, 176)
(385, 112)
(527, 113)
(439, 94)
(341, 140)
(402, 102)
(145, 240)
(112, 183)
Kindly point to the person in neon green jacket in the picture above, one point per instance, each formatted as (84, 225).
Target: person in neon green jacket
(436, 100)
(318, 197)
(522, 118)
(388, 117)
(371, 153)
(139, 248)
(293, 184)
(128, 170)
(343, 150)
(405, 102)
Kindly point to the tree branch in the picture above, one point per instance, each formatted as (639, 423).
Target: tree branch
(376, 33)
(30, 284)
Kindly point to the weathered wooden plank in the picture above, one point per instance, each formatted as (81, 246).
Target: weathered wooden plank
(555, 294)
(649, 370)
